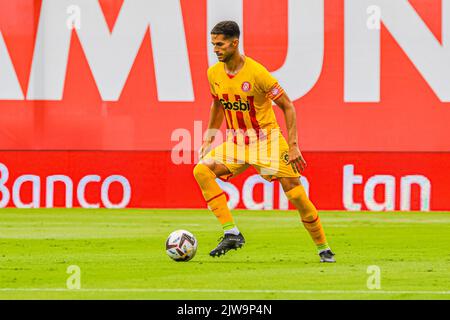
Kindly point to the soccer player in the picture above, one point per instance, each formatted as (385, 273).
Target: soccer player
(243, 91)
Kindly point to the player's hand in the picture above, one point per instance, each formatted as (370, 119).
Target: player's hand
(296, 158)
(205, 148)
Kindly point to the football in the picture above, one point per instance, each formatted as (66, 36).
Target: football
(181, 245)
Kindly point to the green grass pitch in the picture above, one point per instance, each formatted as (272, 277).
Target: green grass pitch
(121, 255)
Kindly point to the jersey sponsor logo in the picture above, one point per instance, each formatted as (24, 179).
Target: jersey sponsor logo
(246, 86)
(235, 106)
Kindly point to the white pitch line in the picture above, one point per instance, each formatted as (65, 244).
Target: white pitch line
(150, 290)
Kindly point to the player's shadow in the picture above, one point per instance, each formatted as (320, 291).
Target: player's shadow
(243, 262)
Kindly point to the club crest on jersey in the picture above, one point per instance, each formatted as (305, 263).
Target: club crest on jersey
(246, 86)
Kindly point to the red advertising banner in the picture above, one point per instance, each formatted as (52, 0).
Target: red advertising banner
(365, 75)
(342, 181)
(103, 103)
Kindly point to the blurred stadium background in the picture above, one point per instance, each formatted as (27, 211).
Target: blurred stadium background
(102, 103)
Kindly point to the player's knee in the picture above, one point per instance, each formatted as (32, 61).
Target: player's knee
(289, 183)
(202, 172)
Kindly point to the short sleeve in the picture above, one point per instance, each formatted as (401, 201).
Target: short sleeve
(211, 83)
(268, 84)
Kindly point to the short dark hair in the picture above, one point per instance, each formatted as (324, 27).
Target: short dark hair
(229, 29)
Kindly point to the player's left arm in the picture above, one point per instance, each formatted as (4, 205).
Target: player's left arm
(295, 156)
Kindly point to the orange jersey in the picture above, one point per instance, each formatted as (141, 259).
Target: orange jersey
(246, 97)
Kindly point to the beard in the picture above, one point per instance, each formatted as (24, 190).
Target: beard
(225, 58)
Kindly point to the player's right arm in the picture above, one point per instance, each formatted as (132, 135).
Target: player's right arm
(215, 121)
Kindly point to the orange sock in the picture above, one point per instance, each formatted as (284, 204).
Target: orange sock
(214, 195)
(309, 216)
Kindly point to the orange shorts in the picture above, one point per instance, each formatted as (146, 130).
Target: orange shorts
(269, 156)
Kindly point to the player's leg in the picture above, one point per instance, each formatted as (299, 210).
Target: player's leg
(309, 215)
(273, 163)
(206, 172)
